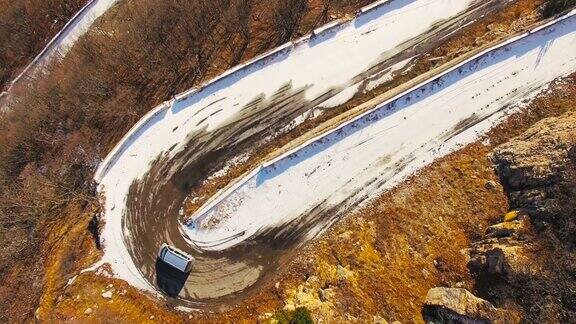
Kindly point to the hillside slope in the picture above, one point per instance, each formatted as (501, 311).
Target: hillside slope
(25, 28)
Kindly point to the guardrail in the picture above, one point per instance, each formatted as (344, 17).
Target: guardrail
(372, 6)
(113, 155)
(224, 193)
(322, 29)
(258, 59)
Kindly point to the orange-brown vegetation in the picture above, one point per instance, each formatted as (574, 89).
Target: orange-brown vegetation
(83, 302)
(26, 26)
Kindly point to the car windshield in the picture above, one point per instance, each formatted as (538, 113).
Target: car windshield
(180, 254)
(176, 260)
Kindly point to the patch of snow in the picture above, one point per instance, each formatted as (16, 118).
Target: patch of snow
(107, 294)
(388, 76)
(231, 163)
(184, 309)
(341, 98)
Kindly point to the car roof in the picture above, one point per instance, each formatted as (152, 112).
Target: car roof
(176, 260)
(179, 252)
(175, 257)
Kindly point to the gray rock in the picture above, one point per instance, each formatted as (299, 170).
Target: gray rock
(505, 258)
(376, 319)
(342, 272)
(458, 305)
(538, 168)
(519, 228)
(322, 295)
(490, 185)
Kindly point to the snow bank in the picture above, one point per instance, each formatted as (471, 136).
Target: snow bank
(374, 151)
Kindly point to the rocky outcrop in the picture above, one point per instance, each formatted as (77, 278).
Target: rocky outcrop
(538, 169)
(503, 259)
(539, 156)
(528, 258)
(505, 251)
(458, 305)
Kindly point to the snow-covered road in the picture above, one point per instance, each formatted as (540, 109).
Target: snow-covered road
(74, 29)
(147, 176)
(360, 159)
(61, 43)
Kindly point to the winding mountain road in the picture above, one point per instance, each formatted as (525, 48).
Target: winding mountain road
(148, 175)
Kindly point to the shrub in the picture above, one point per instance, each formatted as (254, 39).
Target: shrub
(556, 6)
(300, 315)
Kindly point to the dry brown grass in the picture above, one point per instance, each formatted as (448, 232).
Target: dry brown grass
(72, 249)
(127, 305)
